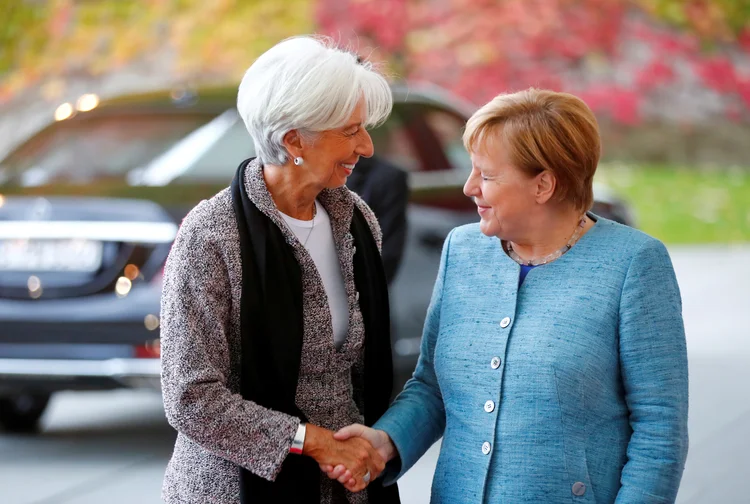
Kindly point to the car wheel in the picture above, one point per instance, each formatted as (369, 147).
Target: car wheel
(21, 413)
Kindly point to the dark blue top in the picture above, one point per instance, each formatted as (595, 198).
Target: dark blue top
(524, 271)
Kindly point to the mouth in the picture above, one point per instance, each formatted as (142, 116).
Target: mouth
(482, 209)
(348, 167)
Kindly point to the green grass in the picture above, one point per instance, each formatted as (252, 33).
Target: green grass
(685, 205)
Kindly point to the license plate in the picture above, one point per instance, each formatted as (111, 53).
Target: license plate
(50, 255)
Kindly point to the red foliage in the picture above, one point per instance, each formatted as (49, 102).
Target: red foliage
(743, 90)
(622, 105)
(479, 48)
(597, 98)
(718, 73)
(669, 43)
(625, 107)
(655, 74)
(385, 22)
(744, 40)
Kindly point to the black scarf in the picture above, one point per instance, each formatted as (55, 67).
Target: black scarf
(271, 324)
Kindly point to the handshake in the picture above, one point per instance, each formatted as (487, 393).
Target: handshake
(353, 456)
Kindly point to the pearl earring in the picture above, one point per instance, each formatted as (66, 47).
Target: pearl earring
(298, 161)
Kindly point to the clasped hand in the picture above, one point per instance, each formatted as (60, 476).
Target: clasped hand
(352, 473)
(350, 459)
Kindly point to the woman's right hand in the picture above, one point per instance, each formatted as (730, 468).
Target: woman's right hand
(355, 454)
(379, 440)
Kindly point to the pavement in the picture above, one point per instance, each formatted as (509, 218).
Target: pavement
(113, 447)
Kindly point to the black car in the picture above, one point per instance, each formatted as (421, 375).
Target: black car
(90, 205)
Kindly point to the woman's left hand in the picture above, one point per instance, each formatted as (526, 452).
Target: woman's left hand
(364, 462)
(377, 438)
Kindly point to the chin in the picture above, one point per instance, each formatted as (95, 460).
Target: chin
(487, 228)
(336, 183)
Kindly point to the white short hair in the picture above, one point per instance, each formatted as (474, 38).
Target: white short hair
(309, 84)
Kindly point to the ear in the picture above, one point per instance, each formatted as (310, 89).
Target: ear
(546, 182)
(293, 143)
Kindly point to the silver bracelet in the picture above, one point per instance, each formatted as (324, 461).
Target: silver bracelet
(298, 443)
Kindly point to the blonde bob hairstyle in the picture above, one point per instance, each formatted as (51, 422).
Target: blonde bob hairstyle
(543, 130)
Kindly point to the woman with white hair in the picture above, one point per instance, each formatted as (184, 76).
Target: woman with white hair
(275, 329)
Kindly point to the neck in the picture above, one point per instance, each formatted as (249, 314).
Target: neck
(292, 193)
(548, 233)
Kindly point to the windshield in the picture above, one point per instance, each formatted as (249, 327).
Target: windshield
(85, 150)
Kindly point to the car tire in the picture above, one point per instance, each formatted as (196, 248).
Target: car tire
(21, 413)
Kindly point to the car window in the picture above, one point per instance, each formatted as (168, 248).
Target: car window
(83, 150)
(219, 162)
(449, 128)
(423, 138)
(438, 135)
(392, 142)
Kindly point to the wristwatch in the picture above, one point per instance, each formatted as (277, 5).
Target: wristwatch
(299, 439)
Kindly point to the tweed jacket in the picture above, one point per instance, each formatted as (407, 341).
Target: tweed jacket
(572, 388)
(200, 345)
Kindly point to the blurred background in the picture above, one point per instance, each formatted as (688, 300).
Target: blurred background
(116, 117)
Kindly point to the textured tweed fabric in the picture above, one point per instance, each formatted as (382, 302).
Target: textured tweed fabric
(572, 388)
(200, 344)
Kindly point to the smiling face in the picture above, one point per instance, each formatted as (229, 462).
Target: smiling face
(332, 155)
(505, 196)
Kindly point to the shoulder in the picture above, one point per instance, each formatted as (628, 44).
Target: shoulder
(469, 240)
(369, 216)
(464, 249)
(629, 244)
(209, 225)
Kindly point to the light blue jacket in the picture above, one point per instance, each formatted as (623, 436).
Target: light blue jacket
(572, 388)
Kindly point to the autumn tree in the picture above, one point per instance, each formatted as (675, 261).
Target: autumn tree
(478, 47)
(197, 40)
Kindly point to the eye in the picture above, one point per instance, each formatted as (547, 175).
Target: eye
(353, 133)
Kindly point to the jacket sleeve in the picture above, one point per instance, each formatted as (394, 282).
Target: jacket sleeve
(653, 362)
(416, 419)
(196, 360)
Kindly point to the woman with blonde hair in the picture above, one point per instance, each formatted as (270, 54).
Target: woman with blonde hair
(553, 360)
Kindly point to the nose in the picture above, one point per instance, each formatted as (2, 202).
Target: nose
(471, 187)
(364, 146)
